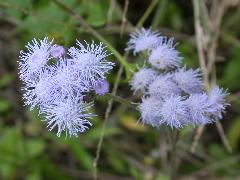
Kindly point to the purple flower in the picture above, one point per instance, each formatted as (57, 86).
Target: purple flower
(163, 86)
(40, 90)
(90, 62)
(66, 80)
(57, 88)
(69, 115)
(143, 39)
(165, 56)
(198, 109)
(150, 111)
(101, 87)
(57, 51)
(37, 56)
(188, 80)
(173, 96)
(142, 79)
(174, 111)
(217, 101)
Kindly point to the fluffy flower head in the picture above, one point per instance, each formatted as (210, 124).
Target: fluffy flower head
(68, 115)
(217, 101)
(142, 79)
(35, 58)
(165, 56)
(163, 86)
(188, 80)
(66, 80)
(56, 84)
(57, 51)
(174, 111)
(101, 87)
(150, 111)
(39, 90)
(198, 109)
(143, 39)
(90, 61)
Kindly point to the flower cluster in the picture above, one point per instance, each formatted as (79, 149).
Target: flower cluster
(57, 82)
(172, 94)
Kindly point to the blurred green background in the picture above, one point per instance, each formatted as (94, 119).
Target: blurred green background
(130, 150)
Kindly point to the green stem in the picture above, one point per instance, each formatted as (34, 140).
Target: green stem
(147, 13)
(120, 99)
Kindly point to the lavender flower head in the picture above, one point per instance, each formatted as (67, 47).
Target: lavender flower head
(198, 109)
(57, 51)
(142, 79)
(163, 85)
(58, 88)
(172, 95)
(37, 56)
(90, 61)
(165, 55)
(68, 115)
(217, 102)
(39, 91)
(143, 39)
(188, 81)
(150, 113)
(101, 87)
(66, 80)
(174, 111)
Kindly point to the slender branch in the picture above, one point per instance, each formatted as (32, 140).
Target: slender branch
(197, 137)
(199, 31)
(107, 113)
(121, 100)
(147, 13)
(173, 135)
(213, 25)
(223, 136)
(110, 12)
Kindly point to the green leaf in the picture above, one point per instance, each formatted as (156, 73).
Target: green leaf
(233, 133)
(34, 176)
(16, 8)
(50, 170)
(217, 151)
(4, 106)
(97, 13)
(40, 3)
(117, 162)
(231, 73)
(11, 146)
(83, 156)
(6, 79)
(162, 177)
(34, 147)
(7, 171)
(95, 133)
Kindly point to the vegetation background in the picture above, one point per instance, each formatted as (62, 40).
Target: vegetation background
(129, 150)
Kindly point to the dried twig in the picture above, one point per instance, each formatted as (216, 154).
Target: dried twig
(207, 59)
